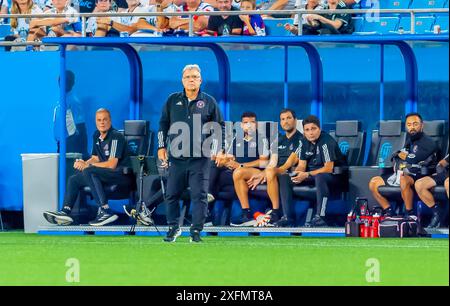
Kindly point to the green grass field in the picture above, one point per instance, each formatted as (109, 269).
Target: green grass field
(133, 260)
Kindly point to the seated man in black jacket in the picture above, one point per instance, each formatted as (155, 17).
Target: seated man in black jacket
(105, 167)
(317, 157)
(333, 23)
(419, 150)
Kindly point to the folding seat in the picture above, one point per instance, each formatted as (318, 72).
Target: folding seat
(427, 4)
(388, 139)
(351, 140)
(423, 25)
(275, 26)
(394, 4)
(442, 21)
(382, 25)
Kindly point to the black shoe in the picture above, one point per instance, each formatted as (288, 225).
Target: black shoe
(436, 219)
(284, 222)
(245, 221)
(317, 221)
(173, 234)
(387, 212)
(195, 237)
(60, 218)
(104, 217)
(274, 216)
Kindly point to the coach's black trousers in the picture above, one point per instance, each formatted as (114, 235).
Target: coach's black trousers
(324, 183)
(183, 173)
(96, 178)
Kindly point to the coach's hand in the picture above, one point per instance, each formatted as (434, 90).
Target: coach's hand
(163, 157)
(80, 164)
(300, 177)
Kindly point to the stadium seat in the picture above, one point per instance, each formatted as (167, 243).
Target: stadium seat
(358, 22)
(442, 21)
(351, 140)
(427, 4)
(423, 25)
(386, 140)
(275, 26)
(384, 25)
(5, 30)
(394, 4)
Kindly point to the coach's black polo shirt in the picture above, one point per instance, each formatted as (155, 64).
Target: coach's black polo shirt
(284, 147)
(114, 145)
(326, 149)
(246, 151)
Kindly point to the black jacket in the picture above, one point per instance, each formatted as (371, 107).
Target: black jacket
(179, 113)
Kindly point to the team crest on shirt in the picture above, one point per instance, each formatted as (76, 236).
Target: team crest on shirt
(200, 104)
(411, 155)
(309, 153)
(106, 148)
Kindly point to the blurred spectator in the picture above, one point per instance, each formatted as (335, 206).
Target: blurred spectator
(133, 25)
(45, 5)
(101, 30)
(253, 24)
(3, 8)
(332, 23)
(21, 26)
(167, 6)
(350, 3)
(307, 5)
(225, 25)
(200, 22)
(69, 25)
(278, 5)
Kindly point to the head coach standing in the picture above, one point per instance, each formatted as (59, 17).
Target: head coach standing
(184, 118)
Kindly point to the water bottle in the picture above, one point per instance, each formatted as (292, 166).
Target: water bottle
(226, 31)
(381, 162)
(23, 34)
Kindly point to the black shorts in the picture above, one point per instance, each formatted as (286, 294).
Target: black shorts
(385, 177)
(440, 178)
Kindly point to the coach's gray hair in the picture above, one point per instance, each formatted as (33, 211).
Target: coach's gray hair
(103, 110)
(192, 67)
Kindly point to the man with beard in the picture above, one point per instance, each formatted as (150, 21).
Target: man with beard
(419, 149)
(281, 160)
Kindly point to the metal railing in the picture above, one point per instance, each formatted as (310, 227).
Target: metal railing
(372, 13)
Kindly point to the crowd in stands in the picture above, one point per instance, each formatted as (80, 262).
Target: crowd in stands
(69, 24)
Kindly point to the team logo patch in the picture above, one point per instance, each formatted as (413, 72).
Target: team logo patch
(201, 104)
(309, 153)
(411, 156)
